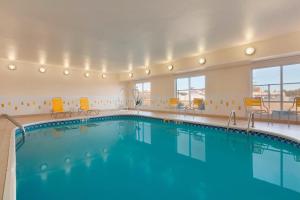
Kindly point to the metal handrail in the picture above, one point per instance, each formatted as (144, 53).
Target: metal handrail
(231, 115)
(250, 121)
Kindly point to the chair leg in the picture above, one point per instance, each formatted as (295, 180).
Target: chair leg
(288, 118)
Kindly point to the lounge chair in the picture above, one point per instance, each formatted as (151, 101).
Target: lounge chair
(173, 103)
(296, 106)
(256, 105)
(58, 108)
(197, 105)
(85, 107)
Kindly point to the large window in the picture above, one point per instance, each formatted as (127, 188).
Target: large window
(144, 92)
(189, 88)
(278, 86)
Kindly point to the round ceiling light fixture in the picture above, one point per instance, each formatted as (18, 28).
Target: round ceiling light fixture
(66, 72)
(42, 69)
(12, 67)
(130, 74)
(249, 51)
(170, 67)
(104, 76)
(87, 74)
(148, 71)
(202, 61)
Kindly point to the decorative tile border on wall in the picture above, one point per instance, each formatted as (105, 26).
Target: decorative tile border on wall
(42, 125)
(22, 105)
(214, 105)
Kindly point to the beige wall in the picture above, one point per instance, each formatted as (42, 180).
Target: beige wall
(226, 87)
(227, 71)
(27, 91)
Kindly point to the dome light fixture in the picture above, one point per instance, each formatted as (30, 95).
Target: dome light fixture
(12, 67)
(42, 69)
(202, 61)
(104, 76)
(148, 71)
(249, 51)
(170, 67)
(66, 72)
(87, 74)
(130, 74)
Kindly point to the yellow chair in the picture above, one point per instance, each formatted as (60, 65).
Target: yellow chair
(256, 105)
(296, 106)
(173, 103)
(58, 107)
(197, 104)
(85, 107)
(84, 104)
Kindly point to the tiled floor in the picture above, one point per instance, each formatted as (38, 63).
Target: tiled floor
(291, 132)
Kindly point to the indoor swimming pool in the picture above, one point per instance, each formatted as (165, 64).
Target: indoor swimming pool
(133, 157)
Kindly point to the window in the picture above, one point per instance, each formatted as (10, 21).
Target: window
(144, 92)
(189, 88)
(278, 86)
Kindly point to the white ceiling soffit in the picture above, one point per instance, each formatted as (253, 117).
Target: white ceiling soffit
(116, 35)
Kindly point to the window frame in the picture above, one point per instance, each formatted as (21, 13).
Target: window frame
(189, 86)
(281, 84)
(143, 92)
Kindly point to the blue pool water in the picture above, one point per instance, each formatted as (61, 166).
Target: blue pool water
(141, 158)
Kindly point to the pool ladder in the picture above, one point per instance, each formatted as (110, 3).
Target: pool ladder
(232, 116)
(17, 124)
(250, 121)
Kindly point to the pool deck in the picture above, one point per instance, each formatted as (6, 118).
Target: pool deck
(283, 130)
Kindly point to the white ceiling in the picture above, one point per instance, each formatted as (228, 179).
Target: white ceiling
(120, 33)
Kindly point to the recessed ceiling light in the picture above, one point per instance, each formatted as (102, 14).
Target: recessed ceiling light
(12, 67)
(202, 61)
(104, 76)
(66, 72)
(87, 74)
(130, 74)
(42, 69)
(249, 51)
(148, 71)
(170, 67)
